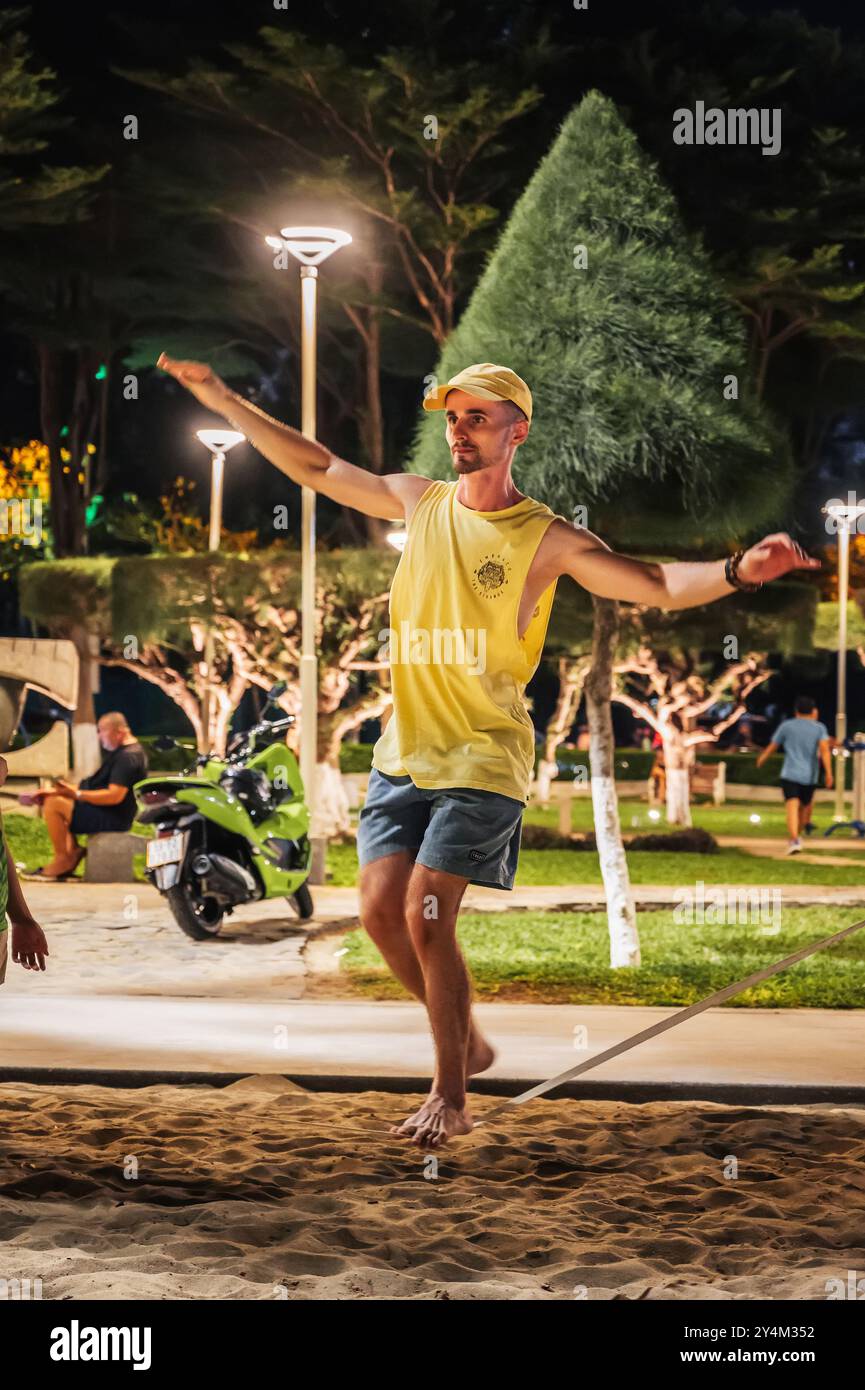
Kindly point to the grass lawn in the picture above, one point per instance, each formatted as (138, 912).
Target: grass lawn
(552, 866)
(563, 958)
(730, 819)
(29, 843)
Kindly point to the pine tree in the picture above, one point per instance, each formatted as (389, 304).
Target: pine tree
(626, 357)
(601, 300)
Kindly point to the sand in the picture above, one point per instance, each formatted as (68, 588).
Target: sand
(265, 1191)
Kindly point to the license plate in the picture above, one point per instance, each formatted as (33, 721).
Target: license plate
(167, 850)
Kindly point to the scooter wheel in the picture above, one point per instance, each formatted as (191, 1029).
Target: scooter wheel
(200, 928)
(301, 901)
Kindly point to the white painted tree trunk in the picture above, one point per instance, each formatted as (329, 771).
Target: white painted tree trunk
(546, 773)
(677, 759)
(678, 798)
(621, 914)
(330, 815)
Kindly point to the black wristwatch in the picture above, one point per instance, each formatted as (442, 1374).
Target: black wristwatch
(731, 573)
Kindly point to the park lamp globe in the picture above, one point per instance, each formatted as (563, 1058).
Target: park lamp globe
(309, 245)
(220, 441)
(845, 513)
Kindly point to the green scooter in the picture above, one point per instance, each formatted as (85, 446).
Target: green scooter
(229, 830)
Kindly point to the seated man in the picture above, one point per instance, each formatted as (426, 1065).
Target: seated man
(104, 801)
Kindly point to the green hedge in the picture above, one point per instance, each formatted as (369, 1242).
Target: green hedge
(632, 764)
(742, 767)
(175, 760)
(355, 757)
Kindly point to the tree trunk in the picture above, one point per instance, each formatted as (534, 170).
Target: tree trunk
(371, 415)
(51, 423)
(67, 493)
(82, 427)
(572, 677)
(330, 815)
(677, 759)
(100, 478)
(621, 916)
(86, 753)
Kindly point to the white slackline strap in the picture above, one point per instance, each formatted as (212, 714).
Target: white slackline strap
(718, 998)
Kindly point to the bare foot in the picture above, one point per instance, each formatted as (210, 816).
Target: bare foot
(435, 1123)
(480, 1055)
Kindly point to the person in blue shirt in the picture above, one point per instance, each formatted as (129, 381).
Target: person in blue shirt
(805, 743)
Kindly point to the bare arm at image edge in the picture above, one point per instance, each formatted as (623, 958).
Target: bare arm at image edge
(304, 461)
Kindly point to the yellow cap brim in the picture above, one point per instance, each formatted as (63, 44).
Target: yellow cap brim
(436, 399)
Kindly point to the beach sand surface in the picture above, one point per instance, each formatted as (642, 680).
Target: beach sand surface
(262, 1190)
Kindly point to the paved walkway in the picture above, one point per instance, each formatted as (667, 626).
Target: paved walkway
(815, 850)
(359, 1038)
(125, 989)
(81, 901)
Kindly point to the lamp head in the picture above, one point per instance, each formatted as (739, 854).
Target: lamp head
(220, 441)
(310, 245)
(845, 513)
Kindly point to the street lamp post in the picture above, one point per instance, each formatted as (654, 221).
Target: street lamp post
(310, 246)
(845, 515)
(218, 442)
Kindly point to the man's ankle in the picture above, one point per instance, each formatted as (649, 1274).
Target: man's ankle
(452, 1096)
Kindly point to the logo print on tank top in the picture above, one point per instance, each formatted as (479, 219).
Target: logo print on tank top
(490, 579)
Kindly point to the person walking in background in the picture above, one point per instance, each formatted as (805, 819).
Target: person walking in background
(805, 742)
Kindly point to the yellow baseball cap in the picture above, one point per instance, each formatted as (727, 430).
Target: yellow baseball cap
(489, 382)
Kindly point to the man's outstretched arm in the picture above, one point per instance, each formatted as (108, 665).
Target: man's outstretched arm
(303, 460)
(679, 584)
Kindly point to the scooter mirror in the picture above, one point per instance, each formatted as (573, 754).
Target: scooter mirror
(275, 691)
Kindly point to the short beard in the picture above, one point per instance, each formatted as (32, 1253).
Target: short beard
(468, 465)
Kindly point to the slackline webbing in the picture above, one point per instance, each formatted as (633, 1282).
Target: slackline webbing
(666, 1023)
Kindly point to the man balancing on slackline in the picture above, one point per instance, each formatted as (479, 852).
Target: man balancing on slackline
(469, 608)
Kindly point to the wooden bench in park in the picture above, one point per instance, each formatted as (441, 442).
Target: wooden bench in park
(710, 779)
(705, 779)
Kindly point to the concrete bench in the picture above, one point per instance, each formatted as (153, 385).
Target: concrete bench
(109, 856)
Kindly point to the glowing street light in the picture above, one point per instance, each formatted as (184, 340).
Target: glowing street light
(311, 246)
(218, 442)
(845, 515)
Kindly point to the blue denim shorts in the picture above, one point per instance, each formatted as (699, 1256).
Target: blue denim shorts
(475, 834)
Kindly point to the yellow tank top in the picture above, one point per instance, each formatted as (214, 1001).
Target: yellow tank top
(458, 668)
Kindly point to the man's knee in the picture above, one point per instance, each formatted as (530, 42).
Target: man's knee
(432, 904)
(381, 894)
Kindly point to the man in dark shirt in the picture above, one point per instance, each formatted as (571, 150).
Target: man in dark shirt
(104, 801)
